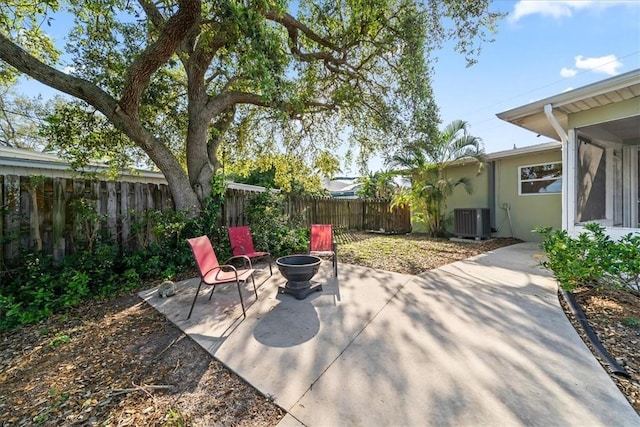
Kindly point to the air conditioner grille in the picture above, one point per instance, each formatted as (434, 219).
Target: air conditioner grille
(475, 222)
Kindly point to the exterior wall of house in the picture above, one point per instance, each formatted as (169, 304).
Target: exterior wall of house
(526, 211)
(479, 198)
(517, 215)
(460, 199)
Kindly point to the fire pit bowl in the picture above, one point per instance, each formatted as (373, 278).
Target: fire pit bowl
(298, 270)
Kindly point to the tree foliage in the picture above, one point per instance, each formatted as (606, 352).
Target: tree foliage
(282, 171)
(426, 161)
(21, 119)
(180, 79)
(378, 185)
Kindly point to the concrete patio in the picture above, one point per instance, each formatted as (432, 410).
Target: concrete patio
(482, 341)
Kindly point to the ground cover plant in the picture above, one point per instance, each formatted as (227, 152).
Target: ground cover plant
(604, 277)
(122, 363)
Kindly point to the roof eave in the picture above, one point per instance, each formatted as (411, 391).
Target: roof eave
(568, 97)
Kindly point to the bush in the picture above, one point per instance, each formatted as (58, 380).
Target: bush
(592, 258)
(271, 228)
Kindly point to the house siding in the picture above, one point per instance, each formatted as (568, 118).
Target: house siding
(527, 211)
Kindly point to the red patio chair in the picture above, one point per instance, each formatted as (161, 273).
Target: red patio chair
(242, 244)
(322, 244)
(213, 274)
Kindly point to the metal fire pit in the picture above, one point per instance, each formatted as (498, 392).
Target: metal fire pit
(298, 270)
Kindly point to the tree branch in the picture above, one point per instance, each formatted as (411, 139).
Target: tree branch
(152, 12)
(74, 86)
(291, 23)
(295, 27)
(224, 101)
(176, 29)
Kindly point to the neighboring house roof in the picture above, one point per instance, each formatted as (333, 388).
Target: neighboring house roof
(615, 89)
(17, 161)
(338, 183)
(333, 185)
(347, 191)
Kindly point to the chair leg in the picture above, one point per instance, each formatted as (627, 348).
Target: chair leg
(334, 246)
(244, 313)
(255, 291)
(211, 294)
(270, 270)
(194, 300)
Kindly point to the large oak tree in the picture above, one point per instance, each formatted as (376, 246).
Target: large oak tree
(201, 67)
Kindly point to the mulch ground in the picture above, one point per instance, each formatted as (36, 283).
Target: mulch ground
(118, 362)
(615, 318)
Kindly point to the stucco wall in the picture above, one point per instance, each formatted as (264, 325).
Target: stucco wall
(527, 211)
(479, 197)
(460, 199)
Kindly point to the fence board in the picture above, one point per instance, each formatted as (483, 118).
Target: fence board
(2, 218)
(125, 225)
(112, 209)
(58, 219)
(12, 215)
(60, 225)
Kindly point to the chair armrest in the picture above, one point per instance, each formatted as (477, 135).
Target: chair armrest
(242, 249)
(213, 269)
(245, 260)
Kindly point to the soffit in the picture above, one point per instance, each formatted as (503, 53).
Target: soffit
(599, 94)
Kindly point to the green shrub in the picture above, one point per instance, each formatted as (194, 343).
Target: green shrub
(272, 228)
(37, 288)
(592, 258)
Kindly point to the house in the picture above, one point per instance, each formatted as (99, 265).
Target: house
(521, 188)
(21, 162)
(599, 128)
(342, 187)
(590, 173)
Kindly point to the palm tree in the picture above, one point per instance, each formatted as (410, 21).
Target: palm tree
(377, 185)
(425, 161)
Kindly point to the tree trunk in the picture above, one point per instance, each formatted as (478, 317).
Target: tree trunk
(199, 167)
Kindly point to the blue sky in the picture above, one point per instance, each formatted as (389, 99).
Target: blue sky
(541, 49)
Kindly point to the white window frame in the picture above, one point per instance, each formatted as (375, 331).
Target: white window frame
(520, 180)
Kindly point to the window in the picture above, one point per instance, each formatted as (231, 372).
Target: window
(540, 179)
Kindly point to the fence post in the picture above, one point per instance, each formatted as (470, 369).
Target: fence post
(59, 219)
(12, 215)
(112, 210)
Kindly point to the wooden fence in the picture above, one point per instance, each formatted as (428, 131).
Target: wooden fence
(51, 204)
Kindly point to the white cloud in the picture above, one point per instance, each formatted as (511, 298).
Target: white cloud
(608, 64)
(568, 72)
(69, 69)
(556, 8)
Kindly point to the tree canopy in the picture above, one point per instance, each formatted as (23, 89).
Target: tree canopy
(180, 79)
(20, 120)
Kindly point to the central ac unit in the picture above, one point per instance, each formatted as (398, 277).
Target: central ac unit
(474, 223)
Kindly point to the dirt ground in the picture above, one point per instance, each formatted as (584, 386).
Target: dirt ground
(118, 362)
